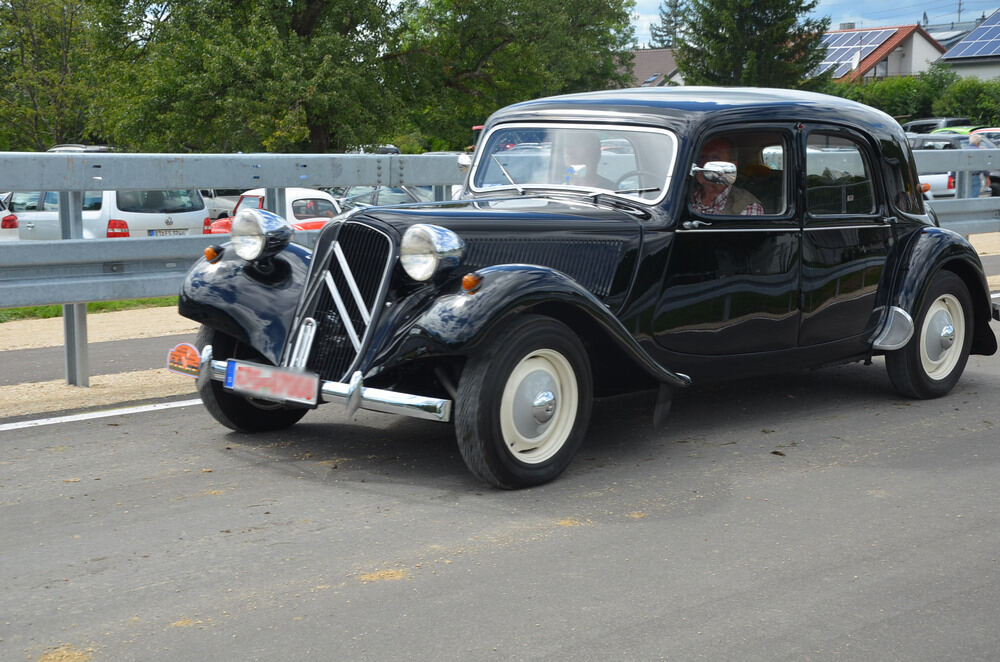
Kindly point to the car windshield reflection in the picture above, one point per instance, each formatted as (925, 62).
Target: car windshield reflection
(627, 161)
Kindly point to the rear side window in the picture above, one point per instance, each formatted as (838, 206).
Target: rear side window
(838, 177)
(249, 202)
(173, 201)
(312, 207)
(25, 200)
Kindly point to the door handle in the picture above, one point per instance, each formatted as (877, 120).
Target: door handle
(694, 225)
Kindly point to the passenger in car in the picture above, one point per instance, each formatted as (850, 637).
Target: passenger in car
(709, 197)
(581, 154)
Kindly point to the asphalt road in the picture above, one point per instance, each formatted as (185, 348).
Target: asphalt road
(815, 516)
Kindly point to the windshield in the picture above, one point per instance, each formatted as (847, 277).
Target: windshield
(632, 162)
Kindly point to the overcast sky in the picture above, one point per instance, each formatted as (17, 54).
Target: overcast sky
(864, 14)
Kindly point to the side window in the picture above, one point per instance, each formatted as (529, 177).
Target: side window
(838, 176)
(313, 207)
(51, 201)
(24, 201)
(92, 200)
(760, 185)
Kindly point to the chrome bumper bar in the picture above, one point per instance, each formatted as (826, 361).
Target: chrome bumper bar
(353, 395)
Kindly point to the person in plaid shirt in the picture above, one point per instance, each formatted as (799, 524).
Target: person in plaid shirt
(717, 197)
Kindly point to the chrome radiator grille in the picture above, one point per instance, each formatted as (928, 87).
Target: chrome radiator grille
(349, 299)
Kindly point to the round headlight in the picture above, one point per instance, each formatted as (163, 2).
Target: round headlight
(425, 249)
(258, 233)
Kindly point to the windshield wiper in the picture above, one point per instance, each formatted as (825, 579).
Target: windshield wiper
(638, 190)
(507, 175)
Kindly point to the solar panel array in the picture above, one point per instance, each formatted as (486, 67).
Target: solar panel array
(844, 50)
(981, 42)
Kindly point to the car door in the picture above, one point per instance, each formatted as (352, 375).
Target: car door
(731, 284)
(847, 237)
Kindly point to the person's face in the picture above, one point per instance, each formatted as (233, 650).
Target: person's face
(577, 153)
(715, 152)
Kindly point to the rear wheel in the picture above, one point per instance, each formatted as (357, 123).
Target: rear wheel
(235, 411)
(524, 403)
(930, 364)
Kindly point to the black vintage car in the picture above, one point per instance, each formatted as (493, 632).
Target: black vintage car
(608, 242)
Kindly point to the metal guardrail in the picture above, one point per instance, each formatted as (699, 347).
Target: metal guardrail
(75, 271)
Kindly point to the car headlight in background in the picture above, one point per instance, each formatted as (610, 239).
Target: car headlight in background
(426, 249)
(257, 234)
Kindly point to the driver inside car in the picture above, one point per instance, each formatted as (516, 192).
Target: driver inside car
(721, 197)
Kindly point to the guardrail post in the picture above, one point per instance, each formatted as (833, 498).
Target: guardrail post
(75, 332)
(74, 314)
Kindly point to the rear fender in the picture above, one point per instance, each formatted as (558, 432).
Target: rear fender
(931, 250)
(249, 302)
(457, 322)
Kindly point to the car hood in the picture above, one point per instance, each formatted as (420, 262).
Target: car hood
(596, 245)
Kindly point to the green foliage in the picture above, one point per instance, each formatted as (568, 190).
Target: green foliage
(976, 99)
(902, 97)
(665, 32)
(226, 75)
(459, 60)
(767, 43)
(46, 312)
(45, 74)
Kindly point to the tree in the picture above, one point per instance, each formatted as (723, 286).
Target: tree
(903, 97)
(459, 60)
(671, 22)
(764, 43)
(979, 100)
(230, 75)
(45, 79)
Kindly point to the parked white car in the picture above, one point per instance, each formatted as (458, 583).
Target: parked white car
(153, 213)
(8, 222)
(220, 202)
(300, 204)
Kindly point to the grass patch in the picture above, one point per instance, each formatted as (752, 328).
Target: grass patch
(45, 312)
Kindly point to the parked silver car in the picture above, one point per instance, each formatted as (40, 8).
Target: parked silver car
(152, 213)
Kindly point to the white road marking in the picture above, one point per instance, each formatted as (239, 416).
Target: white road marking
(97, 414)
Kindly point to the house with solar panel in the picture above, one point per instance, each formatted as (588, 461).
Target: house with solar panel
(876, 53)
(977, 54)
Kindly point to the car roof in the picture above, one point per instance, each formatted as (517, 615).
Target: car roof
(295, 192)
(675, 107)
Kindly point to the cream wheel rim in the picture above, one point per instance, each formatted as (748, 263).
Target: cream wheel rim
(538, 406)
(942, 337)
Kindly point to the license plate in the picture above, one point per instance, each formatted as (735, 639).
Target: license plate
(271, 383)
(167, 233)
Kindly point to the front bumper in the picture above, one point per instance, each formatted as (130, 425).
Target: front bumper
(353, 395)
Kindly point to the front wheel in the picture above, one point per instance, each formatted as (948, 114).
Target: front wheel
(930, 364)
(524, 403)
(238, 412)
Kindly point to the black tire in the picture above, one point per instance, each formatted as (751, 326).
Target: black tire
(235, 411)
(510, 432)
(932, 361)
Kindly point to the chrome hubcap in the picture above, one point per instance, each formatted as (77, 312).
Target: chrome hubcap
(543, 406)
(534, 403)
(940, 335)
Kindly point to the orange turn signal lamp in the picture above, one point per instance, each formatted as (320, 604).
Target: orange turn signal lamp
(471, 282)
(924, 187)
(213, 253)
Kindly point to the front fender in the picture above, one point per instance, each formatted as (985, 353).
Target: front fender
(930, 250)
(254, 305)
(458, 321)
